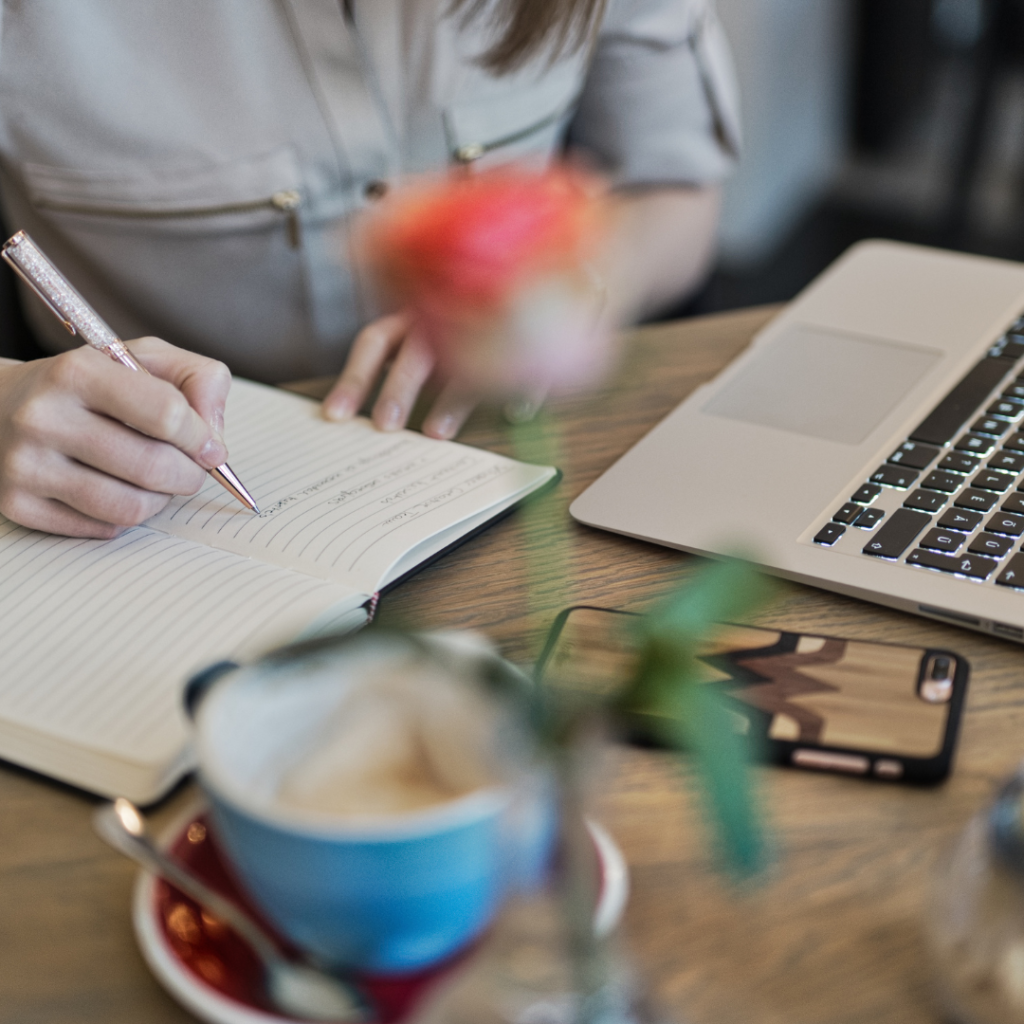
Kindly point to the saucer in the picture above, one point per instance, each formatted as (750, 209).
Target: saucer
(214, 974)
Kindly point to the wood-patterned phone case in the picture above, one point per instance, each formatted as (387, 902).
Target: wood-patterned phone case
(815, 701)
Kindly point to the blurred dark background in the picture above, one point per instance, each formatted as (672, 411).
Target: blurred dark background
(869, 118)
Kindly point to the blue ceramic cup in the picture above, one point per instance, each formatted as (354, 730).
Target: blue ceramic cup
(388, 893)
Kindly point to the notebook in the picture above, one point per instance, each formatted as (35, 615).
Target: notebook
(869, 441)
(97, 638)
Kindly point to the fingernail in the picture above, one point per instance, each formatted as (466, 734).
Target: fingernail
(521, 410)
(390, 416)
(340, 408)
(213, 454)
(218, 423)
(444, 428)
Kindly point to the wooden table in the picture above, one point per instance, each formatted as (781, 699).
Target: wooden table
(834, 935)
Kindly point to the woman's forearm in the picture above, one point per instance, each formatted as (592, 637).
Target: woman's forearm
(662, 246)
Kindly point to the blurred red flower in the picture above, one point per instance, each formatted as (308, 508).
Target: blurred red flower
(497, 268)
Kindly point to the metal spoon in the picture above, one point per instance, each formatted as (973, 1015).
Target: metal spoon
(297, 989)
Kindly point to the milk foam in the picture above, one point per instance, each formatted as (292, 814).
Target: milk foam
(407, 736)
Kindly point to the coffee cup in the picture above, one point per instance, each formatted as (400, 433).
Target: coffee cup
(378, 798)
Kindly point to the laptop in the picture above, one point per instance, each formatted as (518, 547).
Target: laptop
(869, 441)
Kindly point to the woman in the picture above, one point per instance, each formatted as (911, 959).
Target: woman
(195, 170)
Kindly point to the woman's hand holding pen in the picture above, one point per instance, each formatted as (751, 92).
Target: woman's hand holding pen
(86, 452)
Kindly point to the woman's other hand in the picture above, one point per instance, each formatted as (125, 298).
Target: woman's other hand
(658, 248)
(394, 340)
(89, 447)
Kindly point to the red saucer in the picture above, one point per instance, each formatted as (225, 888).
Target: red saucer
(215, 974)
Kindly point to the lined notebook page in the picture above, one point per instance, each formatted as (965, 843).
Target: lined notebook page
(341, 501)
(97, 637)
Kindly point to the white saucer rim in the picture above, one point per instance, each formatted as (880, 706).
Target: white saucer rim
(212, 1006)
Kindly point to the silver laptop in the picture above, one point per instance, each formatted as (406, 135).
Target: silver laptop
(870, 441)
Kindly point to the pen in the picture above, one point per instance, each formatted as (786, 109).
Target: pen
(80, 318)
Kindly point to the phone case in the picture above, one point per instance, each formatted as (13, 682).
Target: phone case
(886, 711)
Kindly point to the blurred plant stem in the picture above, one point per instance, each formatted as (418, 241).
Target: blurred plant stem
(578, 879)
(570, 735)
(570, 722)
(545, 541)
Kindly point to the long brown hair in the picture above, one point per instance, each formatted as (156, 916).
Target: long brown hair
(526, 28)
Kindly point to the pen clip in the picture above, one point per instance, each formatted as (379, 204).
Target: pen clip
(9, 260)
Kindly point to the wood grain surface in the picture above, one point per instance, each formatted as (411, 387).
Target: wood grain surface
(834, 934)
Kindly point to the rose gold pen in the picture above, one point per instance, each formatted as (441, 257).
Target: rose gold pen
(80, 318)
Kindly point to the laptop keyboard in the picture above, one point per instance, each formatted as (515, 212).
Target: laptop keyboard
(951, 497)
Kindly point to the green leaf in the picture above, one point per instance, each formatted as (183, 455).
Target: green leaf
(696, 715)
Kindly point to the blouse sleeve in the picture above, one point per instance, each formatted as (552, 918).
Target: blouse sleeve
(660, 103)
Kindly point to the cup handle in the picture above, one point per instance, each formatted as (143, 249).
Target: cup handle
(196, 687)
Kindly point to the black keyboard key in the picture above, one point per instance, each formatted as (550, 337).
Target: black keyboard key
(866, 494)
(960, 519)
(1015, 390)
(926, 501)
(978, 444)
(979, 501)
(894, 476)
(1004, 522)
(990, 425)
(1009, 462)
(963, 565)
(1009, 408)
(991, 545)
(1015, 443)
(942, 540)
(915, 455)
(960, 404)
(940, 480)
(829, 534)
(960, 462)
(989, 481)
(1013, 574)
(1014, 503)
(1012, 346)
(848, 513)
(869, 518)
(896, 535)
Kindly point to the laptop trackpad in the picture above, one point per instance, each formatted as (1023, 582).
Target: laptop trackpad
(824, 384)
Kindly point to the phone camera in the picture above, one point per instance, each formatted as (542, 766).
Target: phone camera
(937, 682)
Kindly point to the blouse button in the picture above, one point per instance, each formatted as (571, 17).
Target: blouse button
(375, 189)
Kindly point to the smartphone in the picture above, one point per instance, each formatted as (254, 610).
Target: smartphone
(884, 711)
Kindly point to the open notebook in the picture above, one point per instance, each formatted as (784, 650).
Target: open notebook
(98, 637)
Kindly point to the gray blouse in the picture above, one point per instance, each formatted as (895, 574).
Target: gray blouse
(194, 167)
